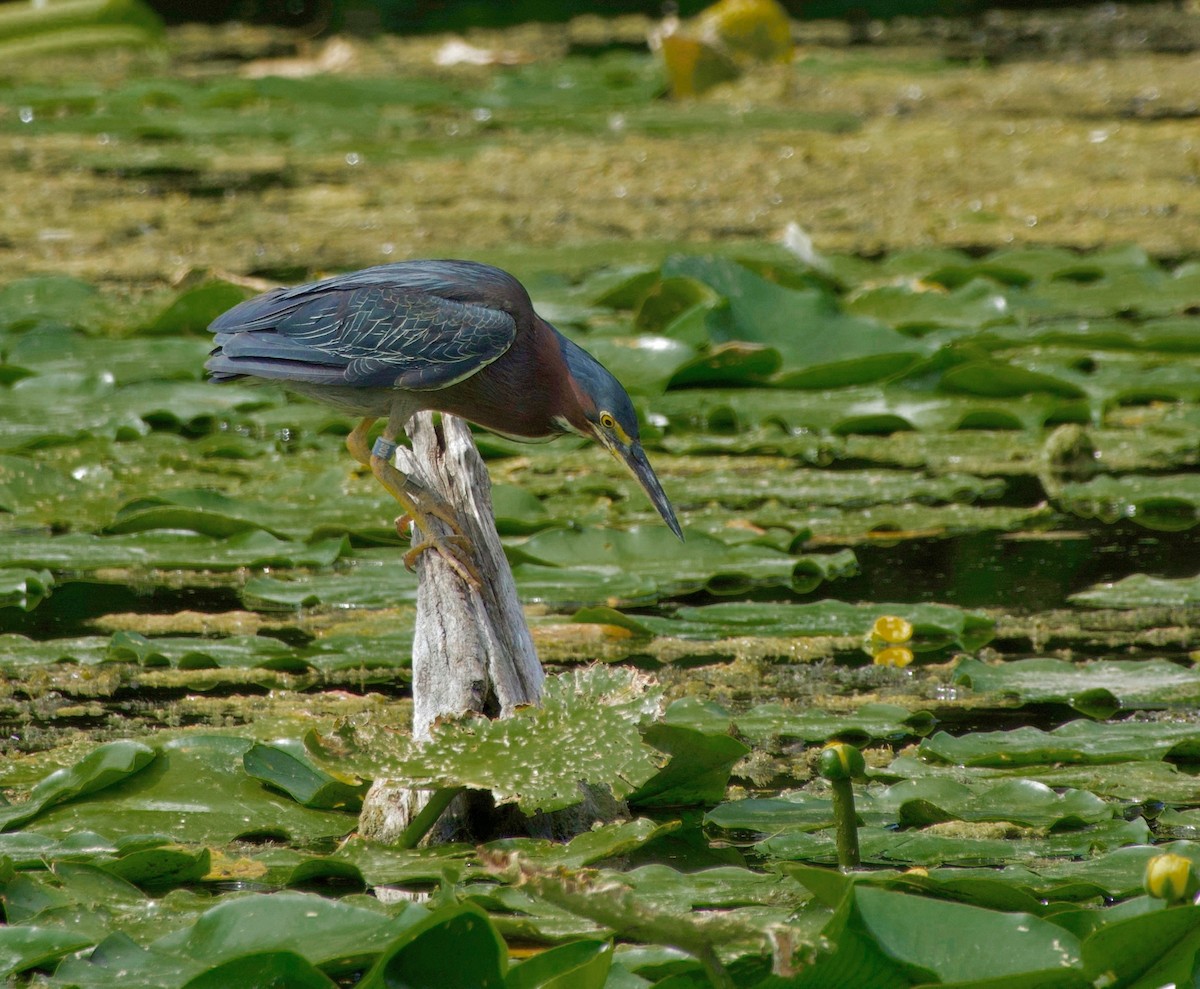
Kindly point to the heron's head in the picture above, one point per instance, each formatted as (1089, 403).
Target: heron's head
(606, 415)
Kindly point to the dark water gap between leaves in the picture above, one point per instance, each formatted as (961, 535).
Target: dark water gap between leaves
(1024, 572)
(78, 604)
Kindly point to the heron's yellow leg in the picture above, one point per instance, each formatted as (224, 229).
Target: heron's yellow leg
(357, 443)
(421, 505)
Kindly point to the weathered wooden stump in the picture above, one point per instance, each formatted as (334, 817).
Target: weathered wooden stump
(472, 651)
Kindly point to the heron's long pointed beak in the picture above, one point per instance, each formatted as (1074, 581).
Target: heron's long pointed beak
(634, 457)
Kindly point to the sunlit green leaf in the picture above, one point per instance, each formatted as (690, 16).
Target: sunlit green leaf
(698, 771)
(1078, 741)
(700, 563)
(418, 958)
(264, 969)
(1142, 591)
(1169, 502)
(337, 936)
(575, 965)
(23, 948)
(166, 550)
(104, 767)
(1097, 689)
(1023, 949)
(285, 765)
(586, 731)
(1155, 949)
(196, 791)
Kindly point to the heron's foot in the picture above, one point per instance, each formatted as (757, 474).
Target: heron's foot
(455, 549)
(422, 506)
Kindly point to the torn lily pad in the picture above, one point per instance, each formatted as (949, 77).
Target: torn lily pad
(588, 730)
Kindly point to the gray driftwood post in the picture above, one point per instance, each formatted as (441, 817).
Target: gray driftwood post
(472, 651)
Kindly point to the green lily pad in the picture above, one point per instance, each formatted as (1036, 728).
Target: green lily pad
(263, 968)
(195, 790)
(701, 563)
(727, 364)
(34, 304)
(83, 552)
(606, 841)
(373, 580)
(935, 626)
(863, 410)
(537, 757)
(206, 512)
(1137, 782)
(104, 767)
(564, 589)
(1025, 802)
(1156, 948)
(124, 362)
(23, 948)
(1142, 591)
(577, 964)
(920, 307)
(418, 958)
(24, 589)
(19, 651)
(1078, 741)
(887, 932)
(1097, 689)
(161, 866)
(335, 935)
(882, 846)
(379, 865)
(285, 765)
(765, 313)
(1170, 503)
(698, 771)
(766, 721)
(194, 308)
(517, 512)
(643, 364)
(917, 803)
(185, 653)
(774, 815)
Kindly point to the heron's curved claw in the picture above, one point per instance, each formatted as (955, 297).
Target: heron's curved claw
(455, 549)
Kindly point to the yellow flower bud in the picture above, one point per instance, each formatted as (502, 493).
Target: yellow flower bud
(1171, 877)
(841, 761)
(892, 629)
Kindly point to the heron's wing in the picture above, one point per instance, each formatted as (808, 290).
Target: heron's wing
(343, 332)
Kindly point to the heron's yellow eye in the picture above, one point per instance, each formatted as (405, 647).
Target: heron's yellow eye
(607, 421)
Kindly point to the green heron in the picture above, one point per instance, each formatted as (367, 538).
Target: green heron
(456, 337)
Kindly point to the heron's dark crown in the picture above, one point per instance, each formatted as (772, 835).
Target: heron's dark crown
(598, 389)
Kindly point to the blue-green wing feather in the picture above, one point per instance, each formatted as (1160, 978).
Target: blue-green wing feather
(397, 326)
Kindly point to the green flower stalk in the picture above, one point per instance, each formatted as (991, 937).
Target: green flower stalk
(840, 763)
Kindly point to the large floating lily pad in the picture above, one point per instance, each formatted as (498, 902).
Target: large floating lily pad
(1078, 741)
(195, 789)
(871, 721)
(1098, 689)
(83, 552)
(1142, 591)
(701, 563)
(534, 758)
(1170, 503)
